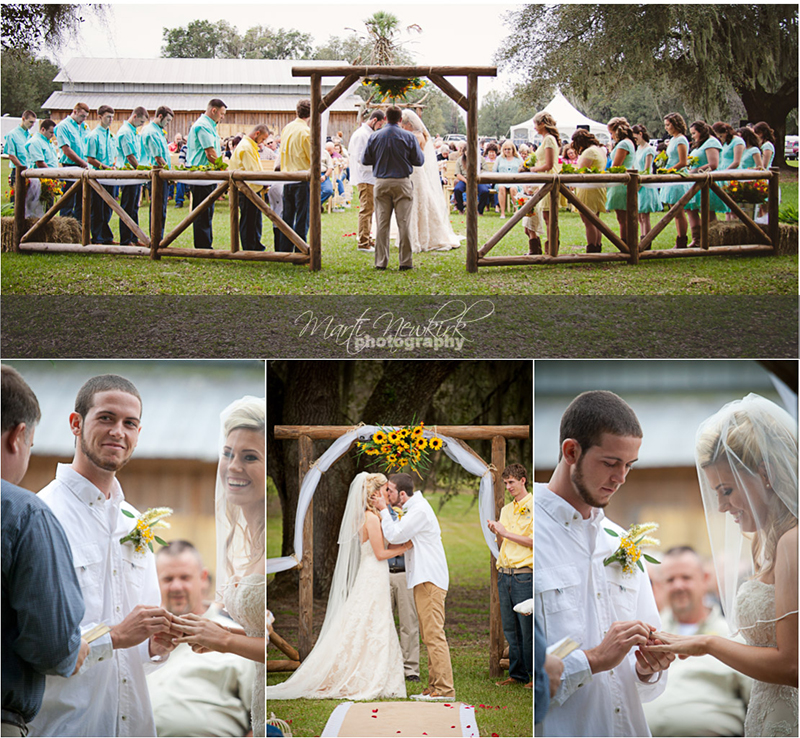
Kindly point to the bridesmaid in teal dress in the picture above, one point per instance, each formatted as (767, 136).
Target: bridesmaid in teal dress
(706, 148)
(766, 138)
(731, 155)
(751, 158)
(677, 157)
(649, 201)
(622, 155)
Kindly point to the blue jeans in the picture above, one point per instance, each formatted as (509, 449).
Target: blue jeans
(518, 629)
(180, 193)
(295, 211)
(129, 199)
(203, 232)
(249, 225)
(101, 217)
(73, 208)
(326, 190)
(461, 187)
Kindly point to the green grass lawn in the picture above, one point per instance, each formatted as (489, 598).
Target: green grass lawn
(502, 711)
(344, 271)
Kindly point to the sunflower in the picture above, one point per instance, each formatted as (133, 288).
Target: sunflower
(435, 444)
(379, 437)
(417, 432)
(386, 449)
(420, 444)
(394, 437)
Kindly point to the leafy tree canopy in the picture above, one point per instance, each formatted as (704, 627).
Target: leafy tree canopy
(26, 83)
(28, 27)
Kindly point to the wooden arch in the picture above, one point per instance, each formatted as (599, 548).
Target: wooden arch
(307, 434)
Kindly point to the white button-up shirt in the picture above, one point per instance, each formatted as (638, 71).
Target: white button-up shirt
(426, 561)
(576, 596)
(110, 698)
(360, 173)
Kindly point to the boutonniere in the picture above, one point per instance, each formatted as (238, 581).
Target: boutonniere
(142, 534)
(630, 551)
(399, 510)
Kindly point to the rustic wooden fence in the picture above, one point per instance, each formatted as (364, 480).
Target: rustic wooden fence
(632, 249)
(87, 181)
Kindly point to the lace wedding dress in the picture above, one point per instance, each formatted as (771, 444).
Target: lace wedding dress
(359, 656)
(246, 605)
(773, 707)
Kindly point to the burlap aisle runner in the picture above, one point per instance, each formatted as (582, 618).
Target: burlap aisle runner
(374, 719)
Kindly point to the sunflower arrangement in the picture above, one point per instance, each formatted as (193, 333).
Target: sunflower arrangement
(750, 190)
(594, 169)
(400, 447)
(394, 87)
(142, 534)
(52, 189)
(629, 553)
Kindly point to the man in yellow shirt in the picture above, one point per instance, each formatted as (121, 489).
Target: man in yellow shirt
(514, 533)
(296, 157)
(246, 157)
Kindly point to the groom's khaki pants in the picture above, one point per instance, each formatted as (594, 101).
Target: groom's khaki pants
(366, 207)
(393, 194)
(430, 608)
(403, 602)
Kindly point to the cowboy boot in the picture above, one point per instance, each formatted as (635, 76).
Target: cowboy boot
(594, 248)
(534, 246)
(695, 244)
(681, 242)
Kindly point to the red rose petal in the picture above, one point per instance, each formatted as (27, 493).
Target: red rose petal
(469, 726)
(375, 716)
(375, 710)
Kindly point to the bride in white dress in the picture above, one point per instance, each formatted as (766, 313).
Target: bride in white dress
(747, 467)
(357, 655)
(241, 548)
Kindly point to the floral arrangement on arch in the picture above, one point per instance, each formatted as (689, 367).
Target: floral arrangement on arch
(394, 87)
(748, 190)
(400, 447)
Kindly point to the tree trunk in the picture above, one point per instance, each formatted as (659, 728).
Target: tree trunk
(773, 108)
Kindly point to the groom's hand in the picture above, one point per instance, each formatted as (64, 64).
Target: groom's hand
(650, 662)
(141, 623)
(620, 638)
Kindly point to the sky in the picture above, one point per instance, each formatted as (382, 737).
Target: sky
(453, 34)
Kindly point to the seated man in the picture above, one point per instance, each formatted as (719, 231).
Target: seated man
(197, 694)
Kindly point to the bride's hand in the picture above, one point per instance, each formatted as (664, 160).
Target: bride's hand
(202, 634)
(681, 646)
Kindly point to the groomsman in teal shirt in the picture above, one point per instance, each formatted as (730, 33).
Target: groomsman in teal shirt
(40, 150)
(101, 152)
(16, 143)
(71, 134)
(130, 149)
(204, 147)
(155, 151)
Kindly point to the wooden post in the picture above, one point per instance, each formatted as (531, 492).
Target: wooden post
(233, 201)
(472, 173)
(86, 211)
(773, 226)
(315, 189)
(632, 216)
(496, 639)
(20, 192)
(552, 230)
(156, 214)
(705, 212)
(306, 630)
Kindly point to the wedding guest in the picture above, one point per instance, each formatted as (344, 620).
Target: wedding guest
(508, 163)
(649, 202)
(327, 167)
(677, 158)
(703, 696)
(180, 187)
(119, 585)
(129, 146)
(460, 186)
(268, 151)
(706, 148)
(296, 157)
(41, 154)
(41, 601)
(16, 142)
(204, 147)
(489, 164)
(176, 144)
(514, 532)
(590, 155)
(364, 179)
(101, 153)
(275, 199)
(605, 610)
(197, 694)
(548, 670)
(622, 155)
(246, 157)
(155, 151)
(71, 134)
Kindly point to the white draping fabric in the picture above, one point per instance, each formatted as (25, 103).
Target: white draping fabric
(341, 445)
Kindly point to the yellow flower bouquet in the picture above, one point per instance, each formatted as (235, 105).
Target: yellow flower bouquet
(400, 447)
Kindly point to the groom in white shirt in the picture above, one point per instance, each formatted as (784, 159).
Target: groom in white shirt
(427, 575)
(607, 612)
(120, 587)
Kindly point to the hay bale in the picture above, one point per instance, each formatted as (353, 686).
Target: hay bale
(57, 230)
(734, 233)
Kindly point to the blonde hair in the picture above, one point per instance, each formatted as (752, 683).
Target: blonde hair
(745, 442)
(544, 118)
(373, 483)
(249, 414)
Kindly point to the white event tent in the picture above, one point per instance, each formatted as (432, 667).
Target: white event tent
(567, 118)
